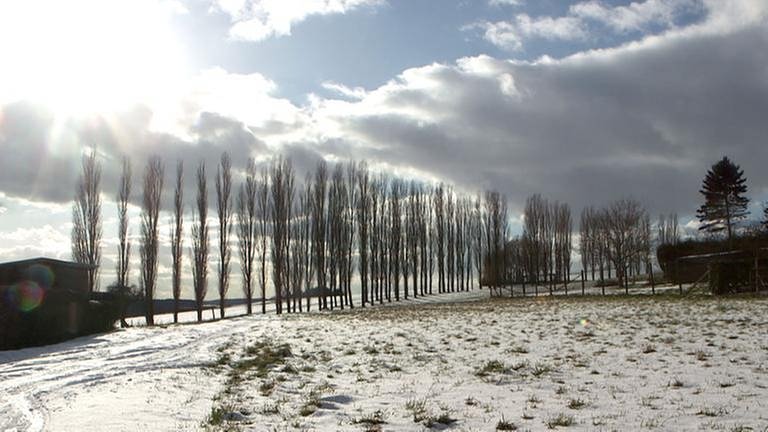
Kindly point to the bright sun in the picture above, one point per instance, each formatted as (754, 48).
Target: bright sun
(88, 56)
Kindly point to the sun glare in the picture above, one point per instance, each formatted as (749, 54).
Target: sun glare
(89, 56)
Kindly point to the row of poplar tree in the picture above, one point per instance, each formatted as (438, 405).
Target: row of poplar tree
(308, 240)
(396, 238)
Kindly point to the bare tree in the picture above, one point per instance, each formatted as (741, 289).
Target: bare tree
(262, 209)
(296, 256)
(668, 229)
(562, 241)
(478, 232)
(363, 227)
(624, 233)
(150, 216)
(496, 211)
(200, 242)
(412, 238)
(588, 237)
(177, 237)
(224, 211)
(305, 237)
(336, 241)
(438, 204)
(86, 219)
(282, 184)
(247, 230)
(319, 230)
(123, 243)
(349, 229)
(395, 232)
(375, 239)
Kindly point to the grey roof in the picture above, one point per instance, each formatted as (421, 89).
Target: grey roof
(43, 260)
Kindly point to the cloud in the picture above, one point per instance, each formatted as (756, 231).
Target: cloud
(342, 90)
(511, 34)
(645, 119)
(585, 19)
(256, 20)
(33, 242)
(636, 16)
(505, 2)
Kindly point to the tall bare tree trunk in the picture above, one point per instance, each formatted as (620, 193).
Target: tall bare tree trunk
(247, 231)
(150, 242)
(200, 242)
(86, 219)
(177, 237)
(122, 269)
(224, 211)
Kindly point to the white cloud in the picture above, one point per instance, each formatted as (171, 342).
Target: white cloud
(505, 2)
(636, 16)
(512, 34)
(33, 242)
(256, 20)
(247, 98)
(581, 18)
(341, 89)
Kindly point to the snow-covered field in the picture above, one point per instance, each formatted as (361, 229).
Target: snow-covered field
(573, 364)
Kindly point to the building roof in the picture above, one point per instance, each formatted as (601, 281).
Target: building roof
(727, 256)
(48, 261)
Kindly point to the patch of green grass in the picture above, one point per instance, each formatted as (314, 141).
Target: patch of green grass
(577, 403)
(444, 418)
(675, 383)
(417, 408)
(261, 357)
(505, 425)
(540, 369)
(712, 412)
(518, 349)
(374, 418)
(491, 367)
(267, 387)
(270, 408)
(217, 416)
(561, 420)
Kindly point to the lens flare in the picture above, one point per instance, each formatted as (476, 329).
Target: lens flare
(584, 322)
(26, 296)
(40, 274)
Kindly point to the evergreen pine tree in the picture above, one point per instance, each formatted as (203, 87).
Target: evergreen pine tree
(724, 201)
(765, 218)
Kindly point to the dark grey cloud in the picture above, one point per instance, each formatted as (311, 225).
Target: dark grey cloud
(41, 160)
(646, 120)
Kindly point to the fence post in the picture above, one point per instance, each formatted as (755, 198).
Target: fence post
(582, 281)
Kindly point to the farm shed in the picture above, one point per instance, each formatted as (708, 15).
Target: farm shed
(44, 300)
(730, 271)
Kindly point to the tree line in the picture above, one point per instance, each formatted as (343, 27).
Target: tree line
(399, 238)
(307, 241)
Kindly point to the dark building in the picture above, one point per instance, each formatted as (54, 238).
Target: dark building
(44, 300)
(47, 273)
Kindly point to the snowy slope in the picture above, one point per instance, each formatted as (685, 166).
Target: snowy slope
(605, 364)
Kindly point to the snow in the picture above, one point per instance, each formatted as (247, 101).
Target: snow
(633, 363)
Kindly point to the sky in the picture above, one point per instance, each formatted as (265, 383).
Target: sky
(581, 101)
